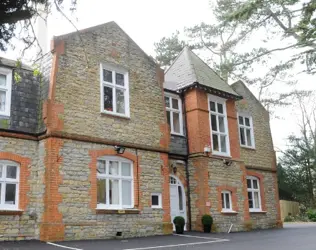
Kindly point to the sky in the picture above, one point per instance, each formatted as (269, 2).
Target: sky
(147, 22)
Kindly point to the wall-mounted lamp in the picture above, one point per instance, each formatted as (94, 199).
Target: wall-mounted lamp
(207, 149)
(227, 162)
(119, 150)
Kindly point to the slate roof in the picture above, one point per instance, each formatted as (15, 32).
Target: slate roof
(188, 68)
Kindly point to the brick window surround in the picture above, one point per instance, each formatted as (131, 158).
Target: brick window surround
(233, 191)
(261, 186)
(95, 154)
(24, 186)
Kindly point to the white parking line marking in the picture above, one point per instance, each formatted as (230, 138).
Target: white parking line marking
(198, 237)
(61, 246)
(178, 245)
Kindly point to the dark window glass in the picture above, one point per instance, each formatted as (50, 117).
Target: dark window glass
(167, 101)
(250, 200)
(242, 136)
(101, 191)
(180, 198)
(119, 79)
(212, 106)
(220, 108)
(107, 76)
(214, 123)
(108, 99)
(10, 194)
(247, 121)
(215, 142)
(11, 172)
(241, 120)
(155, 200)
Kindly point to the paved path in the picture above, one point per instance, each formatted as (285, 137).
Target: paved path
(294, 236)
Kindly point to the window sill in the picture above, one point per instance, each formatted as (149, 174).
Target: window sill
(177, 135)
(229, 212)
(220, 155)
(248, 148)
(258, 212)
(115, 115)
(10, 212)
(117, 211)
(159, 208)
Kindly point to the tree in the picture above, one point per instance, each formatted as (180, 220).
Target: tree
(17, 19)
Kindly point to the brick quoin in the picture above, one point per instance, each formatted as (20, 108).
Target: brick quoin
(24, 186)
(245, 192)
(233, 191)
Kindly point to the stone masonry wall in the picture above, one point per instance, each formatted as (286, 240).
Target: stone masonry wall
(24, 226)
(82, 222)
(78, 87)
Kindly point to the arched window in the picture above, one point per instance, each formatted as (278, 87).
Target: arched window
(115, 186)
(9, 185)
(254, 197)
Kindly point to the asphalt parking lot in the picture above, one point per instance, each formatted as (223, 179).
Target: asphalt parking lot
(292, 237)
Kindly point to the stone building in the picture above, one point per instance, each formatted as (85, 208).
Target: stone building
(103, 143)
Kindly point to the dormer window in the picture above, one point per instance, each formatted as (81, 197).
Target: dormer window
(5, 91)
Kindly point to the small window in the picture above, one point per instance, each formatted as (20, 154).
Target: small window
(114, 91)
(227, 201)
(174, 113)
(9, 185)
(5, 91)
(253, 189)
(156, 200)
(246, 135)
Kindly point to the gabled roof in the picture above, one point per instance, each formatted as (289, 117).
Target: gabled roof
(188, 68)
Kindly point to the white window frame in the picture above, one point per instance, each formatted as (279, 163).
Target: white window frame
(7, 89)
(159, 200)
(222, 101)
(4, 180)
(118, 177)
(252, 191)
(244, 127)
(172, 110)
(224, 209)
(113, 85)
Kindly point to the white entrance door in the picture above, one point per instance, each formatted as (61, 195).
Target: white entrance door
(177, 200)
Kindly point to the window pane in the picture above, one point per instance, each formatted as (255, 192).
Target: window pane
(113, 168)
(215, 142)
(248, 183)
(101, 167)
(220, 108)
(223, 144)
(126, 169)
(114, 192)
(101, 191)
(180, 198)
(10, 194)
(2, 100)
(175, 103)
(241, 120)
(250, 199)
(256, 199)
(221, 124)
(167, 101)
(227, 201)
(108, 99)
(11, 172)
(127, 193)
(248, 137)
(212, 106)
(242, 136)
(255, 184)
(3, 80)
(119, 79)
(213, 122)
(176, 122)
(120, 101)
(223, 201)
(107, 76)
(168, 118)
(247, 122)
(155, 200)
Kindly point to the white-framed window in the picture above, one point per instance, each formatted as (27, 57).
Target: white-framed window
(156, 200)
(219, 127)
(174, 113)
(5, 91)
(254, 197)
(114, 90)
(115, 186)
(227, 201)
(246, 135)
(9, 185)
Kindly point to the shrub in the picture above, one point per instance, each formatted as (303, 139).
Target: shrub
(179, 221)
(311, 214)
(207, 220)
(289, 218)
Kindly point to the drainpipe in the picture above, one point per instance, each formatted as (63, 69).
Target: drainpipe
(187, 163)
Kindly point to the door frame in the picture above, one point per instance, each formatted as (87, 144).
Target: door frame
(184, 199)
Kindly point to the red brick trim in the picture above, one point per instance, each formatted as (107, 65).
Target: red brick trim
(116, 211)
(245, 192)
(24, 185)
(94, 155)
(233, 191)
(8, 212)
(261, 183)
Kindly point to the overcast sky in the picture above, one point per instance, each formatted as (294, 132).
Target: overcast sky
(148, 21)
